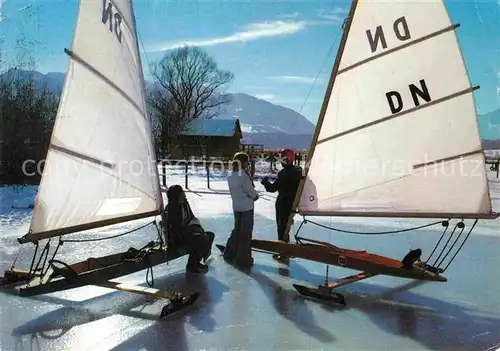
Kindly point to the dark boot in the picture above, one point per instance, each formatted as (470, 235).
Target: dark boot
(210, 236)
(194, 265)
(282, 213)
(197, 268)
(283, 258)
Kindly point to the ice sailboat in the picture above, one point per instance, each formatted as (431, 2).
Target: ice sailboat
(397, 137)
(100, 168)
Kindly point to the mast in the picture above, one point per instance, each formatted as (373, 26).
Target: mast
(398, 134)
(101, 166)
(326, 99)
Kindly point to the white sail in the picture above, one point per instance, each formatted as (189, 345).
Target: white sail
(400, 135)
(100, 168)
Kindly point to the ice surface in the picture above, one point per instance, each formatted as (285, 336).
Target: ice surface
(260, 311)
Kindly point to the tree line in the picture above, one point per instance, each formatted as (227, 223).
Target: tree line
(187, 84)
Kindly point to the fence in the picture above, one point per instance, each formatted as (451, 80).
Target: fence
(209, 165)
(268, 167)
(494, 164)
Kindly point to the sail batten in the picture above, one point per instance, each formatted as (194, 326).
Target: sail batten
(399, 114)
(408, 215)
(101, 167)
(390, 51)
(448, 159)
(82, 156)
(80, 228)
(104, 78)
(398, 134)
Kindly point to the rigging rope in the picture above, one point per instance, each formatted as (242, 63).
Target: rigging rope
(437, 269)
(140, 255)
(460, 248)
(458, 225)
(15, 260)
(108, 237)
(160, 237)
(433, 267)
(319, 72)
(446, 225)
(371, 233)
(144, 51)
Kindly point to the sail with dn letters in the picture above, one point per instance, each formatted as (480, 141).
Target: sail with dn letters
(101, 166)
(398, 134)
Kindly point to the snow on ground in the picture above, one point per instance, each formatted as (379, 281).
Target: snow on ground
(214, 205)
(492, 153)
(215, 201)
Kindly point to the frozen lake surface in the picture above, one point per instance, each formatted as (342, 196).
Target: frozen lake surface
(260, 310)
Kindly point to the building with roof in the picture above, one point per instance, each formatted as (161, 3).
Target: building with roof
(208, 137)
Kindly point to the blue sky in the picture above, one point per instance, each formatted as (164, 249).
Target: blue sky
(275, 49)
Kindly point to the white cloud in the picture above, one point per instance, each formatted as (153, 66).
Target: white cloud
(251, 32)
(298, 79)
(337, 14)
(265, 96)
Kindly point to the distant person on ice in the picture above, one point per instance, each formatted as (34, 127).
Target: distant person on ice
(184, 229)
(238, 249)
(286, 184)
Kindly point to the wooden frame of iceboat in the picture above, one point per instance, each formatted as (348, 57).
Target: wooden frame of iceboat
(101, 131)
(100, 271)
(59, 276)
(384, 107)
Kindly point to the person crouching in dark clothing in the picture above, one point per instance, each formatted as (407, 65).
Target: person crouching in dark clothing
(184, 229)
(286, 184)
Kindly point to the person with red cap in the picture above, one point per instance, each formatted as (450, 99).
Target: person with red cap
(286, 184)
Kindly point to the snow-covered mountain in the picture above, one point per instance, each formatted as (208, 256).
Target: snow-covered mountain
(271, 125)
(263, 123)
(52, 81)
(260, 116)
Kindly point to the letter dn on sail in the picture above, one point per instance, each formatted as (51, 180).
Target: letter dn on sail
(107, 17)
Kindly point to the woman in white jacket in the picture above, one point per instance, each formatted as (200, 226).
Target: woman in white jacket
(238, 250)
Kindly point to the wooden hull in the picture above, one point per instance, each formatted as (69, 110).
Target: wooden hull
(95, 271)
(352, 259)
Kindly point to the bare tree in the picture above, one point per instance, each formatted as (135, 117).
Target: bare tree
(27, 113)
(189, 85)
(27, 117)
(165, 119)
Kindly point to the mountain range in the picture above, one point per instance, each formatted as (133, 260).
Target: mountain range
(264, 123)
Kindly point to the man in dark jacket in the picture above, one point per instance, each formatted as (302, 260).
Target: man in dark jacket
(184, 229)
(286, 184)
